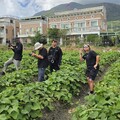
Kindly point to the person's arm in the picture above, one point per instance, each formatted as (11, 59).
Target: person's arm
(97, 61)
(12, 48)
(49, 51)
(60, 56)
(81, 58)
(81, 55)
(37, 56)
(40, 56)
(17, 48)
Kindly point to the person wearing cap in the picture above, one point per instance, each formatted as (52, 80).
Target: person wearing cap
(55, 55)
(42, 60)
(92, 62)
(17, 57)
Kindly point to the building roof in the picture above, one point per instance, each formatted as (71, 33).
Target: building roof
(9, 17)
(79, 11)
(33, 18)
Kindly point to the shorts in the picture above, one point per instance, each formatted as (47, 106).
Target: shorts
(92, 72)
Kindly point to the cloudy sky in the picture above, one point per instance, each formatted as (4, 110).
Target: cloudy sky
(25, 8)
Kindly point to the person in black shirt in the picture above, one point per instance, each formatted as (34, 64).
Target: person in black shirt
(42, 60)
(92, 61)
(54, 56)
(17, 57)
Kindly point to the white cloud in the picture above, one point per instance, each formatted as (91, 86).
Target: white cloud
(24, 8)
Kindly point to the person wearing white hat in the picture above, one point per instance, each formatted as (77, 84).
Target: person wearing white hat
(42, 60)
(92, 61)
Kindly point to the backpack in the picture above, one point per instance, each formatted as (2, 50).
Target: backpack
(51, 58)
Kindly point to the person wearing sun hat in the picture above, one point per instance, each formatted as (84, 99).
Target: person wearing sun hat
(42, 60)
(92, 61)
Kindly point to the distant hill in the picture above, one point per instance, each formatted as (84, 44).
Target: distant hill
(113, 10)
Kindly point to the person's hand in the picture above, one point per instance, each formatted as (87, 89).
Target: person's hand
(81, 51)
(59, 66)
(95, 66)
(11, 47)
(33, 54)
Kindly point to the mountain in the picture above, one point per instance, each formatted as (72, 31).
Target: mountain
(113, 10)
(59, 8)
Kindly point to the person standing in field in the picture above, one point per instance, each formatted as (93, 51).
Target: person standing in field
(54, 56)
(92, 62)
(42, 60)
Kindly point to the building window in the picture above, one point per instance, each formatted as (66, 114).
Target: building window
(88, 12)
(1, 40)
(11, 21)
(13, 32)
(65, 26)
(6, 31)
(27, 31)
(84, 17)
(38, 29)
(53, 26)
(68, 18)
(79, 25)
(30, 30)
(94, 23)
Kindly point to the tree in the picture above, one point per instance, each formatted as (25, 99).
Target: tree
(53, 33)
(63, 33)
(93, 39)
(38, 38)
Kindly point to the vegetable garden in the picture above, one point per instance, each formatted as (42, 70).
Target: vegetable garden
(23, 98)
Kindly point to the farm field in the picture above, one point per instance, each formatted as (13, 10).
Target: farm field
(23, 98)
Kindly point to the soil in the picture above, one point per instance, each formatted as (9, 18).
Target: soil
(63, 111)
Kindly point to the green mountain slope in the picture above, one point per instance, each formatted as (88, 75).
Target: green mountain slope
(113, 10)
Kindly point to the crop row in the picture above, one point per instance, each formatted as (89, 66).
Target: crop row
(105, 104)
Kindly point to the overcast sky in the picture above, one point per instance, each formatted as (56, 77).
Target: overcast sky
(25, 8)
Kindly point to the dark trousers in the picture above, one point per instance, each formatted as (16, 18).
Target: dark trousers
(54, 67)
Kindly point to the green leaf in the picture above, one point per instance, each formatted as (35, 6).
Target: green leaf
(84, 117)
(93, 114)
(112, 118)
(27, 108)
(35, 114)
(35, 106)
(5, 100)
(3, 117)
(2, 108)
(24, 111)
(14, 114)
(50, 107)
(103, 116)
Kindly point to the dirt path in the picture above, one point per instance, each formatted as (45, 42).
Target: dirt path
(63, 111)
